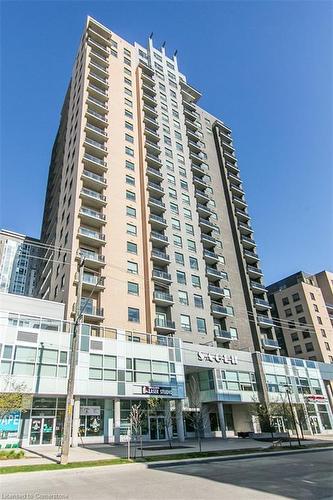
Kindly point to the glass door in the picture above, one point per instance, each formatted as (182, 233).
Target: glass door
(42, 430)
(35, 430)
(157, 428)
(162, 318)
(314, 425)
(48, 427)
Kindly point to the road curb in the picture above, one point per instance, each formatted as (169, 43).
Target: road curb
(243, 456)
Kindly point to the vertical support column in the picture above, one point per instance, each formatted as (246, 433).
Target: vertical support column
(116, 414)
(76, 422)
(168, 420)
(207, 430)
(108, 421)
(221, 419)
(179, 420)
(329, 392)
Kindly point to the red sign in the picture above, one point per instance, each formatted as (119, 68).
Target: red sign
(316, 398)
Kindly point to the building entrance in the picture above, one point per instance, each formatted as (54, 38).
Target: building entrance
(42, 430)
(157, 428)
(314, 422)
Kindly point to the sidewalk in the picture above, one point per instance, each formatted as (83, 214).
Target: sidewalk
(93, 452)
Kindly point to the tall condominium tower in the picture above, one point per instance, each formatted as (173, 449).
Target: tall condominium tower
(144, 185)
(18, 263)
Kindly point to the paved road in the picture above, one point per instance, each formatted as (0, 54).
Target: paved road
(302, 476)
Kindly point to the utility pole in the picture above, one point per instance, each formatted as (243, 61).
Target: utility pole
(72, 368)
(288, 391)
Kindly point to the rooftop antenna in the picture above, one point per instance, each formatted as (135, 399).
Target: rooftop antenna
(163, 44)
(151, 35)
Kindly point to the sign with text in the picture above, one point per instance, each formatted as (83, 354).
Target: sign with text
(156, 391)
(217, 357)
(10, 422)
(316, 398)
(90, 410)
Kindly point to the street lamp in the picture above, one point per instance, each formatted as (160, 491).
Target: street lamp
(288, 391)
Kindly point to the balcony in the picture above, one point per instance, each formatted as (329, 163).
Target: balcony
(148, 89)
(94, 161)
(236, 189)
(154, 173)
(97, 104)
(97, 199)
(91, 282)
(197, 157)
(204, 210)
(161, 276)
(235, 179)
(242, 215)
(193, 92)
(215, 291)
(231, 167)
(164, 325)
(248, 242)
(262, 305)
(257, 288)
(148, 78)
(150, 110)
(222, 335)
(227, 146)
(238, 202)
(151, 133)
(214, 273)
(265, 322)
(189, 114)
(251, 256)
(202, 195)
(221, 311)
(254, 272)
(193, 133)
(245, 229)
(90, 237)
(163, 298)
(149, 100)
(155, 188)
(97, 78)
(95, 146)
(92, 180)
(152, 147)
(198, 169)
(157, 221)
(91, 313)
(159, 239)
(208, 241)
(100, 119)
(153, 159)
(96, 131)
(206, 225)
(269, 344)
(194, 146)
(94, 90)
(229, 157)
(92, 259)
(98, 46)
(190, 125)
(151, 122)
(156, 204)
(160, 257)
(94, 56)
(200, 181)
(210, 257)
(91, 217)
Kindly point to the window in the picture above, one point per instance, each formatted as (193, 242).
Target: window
(171, 179)
(306, 334)
(167, 140)
(299, 308)
(327, 346)
(130, 180)
(174, 207)
(128, 113)
(130, 195)
(295, 297)
(130, 211)
(323, 332)
(182, 171)
(172, 193)
(297, 349)
(189, 229)
(315, 307)
(179, 146)
(319, 320)
(169, 165)
(132, 267)
(128, 91)
(191, 245)
(181, 277)
(168, 152)
(132, 288)
(127, 81)
(185, 322)
(302, 320)
(180, 158)
(129, 125)
(294, 337)
(312, 295)
(198, 301)
(128, 103)
(175, 224)
(177, 241)
(233, 332)
(129, 151)
(179, 258)
(183, 297)
(183, 185)
(201, 325)
(129, 165)
(178, 135)
(309, 347)
(193, 263)
(133, 315)
(285, 301)
(131, 229)
(127, 52)
(132, 247)
(127, 61)
(288, 313)
(186, 198)
(187, 213)
(196, 281)
(176, 124)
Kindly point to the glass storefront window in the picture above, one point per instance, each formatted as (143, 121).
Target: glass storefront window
(23, 369)
(27, 354)
(142, 365)
(142, 377)
(47, 370)
(110, 375)
(160, 366)
(110, 362)
(48, 356)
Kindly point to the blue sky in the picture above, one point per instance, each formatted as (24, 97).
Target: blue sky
(265, 68)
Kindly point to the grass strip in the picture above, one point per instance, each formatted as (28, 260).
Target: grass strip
(153, 458)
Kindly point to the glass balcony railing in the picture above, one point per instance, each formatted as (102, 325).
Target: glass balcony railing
(93, 194)
(164, 323)
(161, 274)
(159, 236)
(163, 296)
(93, 176)
(92, 213)
(85, 254)
(91, 234)
(86, 156)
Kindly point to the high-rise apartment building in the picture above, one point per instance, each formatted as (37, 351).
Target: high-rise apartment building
(303, 304)
(144, 185)
(18, 263)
